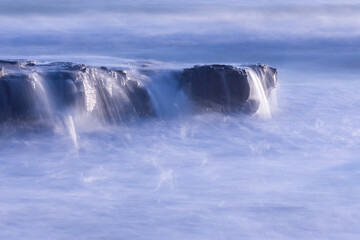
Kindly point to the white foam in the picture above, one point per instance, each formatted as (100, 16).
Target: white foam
(257, 92)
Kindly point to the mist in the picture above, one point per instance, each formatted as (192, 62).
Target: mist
(276, 32)
(189, 119)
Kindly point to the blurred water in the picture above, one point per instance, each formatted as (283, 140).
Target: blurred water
(295, 175)
(208, 176)
(277, 32)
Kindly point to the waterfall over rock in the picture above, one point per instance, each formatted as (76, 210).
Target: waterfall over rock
(27, 91)
(46, 93)
(229, 88)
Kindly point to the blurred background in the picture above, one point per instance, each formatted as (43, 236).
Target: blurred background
(307, 34)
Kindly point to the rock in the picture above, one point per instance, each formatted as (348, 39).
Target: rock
(76, 67)
(17, 62)
(18, 96)
(268, 76)
(62, 87)
(4, 100)
(140, 99)
(121, 72)
(218, 86)
(26, 92)
(108, 94)
(251, 106)
(10, 62)
(225, 87)
(30, 63)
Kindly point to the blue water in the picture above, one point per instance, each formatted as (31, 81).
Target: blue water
(206, 176)
(276, 32)
(191, 176)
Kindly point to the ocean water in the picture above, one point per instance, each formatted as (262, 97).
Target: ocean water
(290, 172)
(199, 176)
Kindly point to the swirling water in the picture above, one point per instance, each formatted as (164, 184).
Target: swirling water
(202, 176)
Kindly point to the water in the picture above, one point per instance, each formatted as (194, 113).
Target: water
(209, 175)
(259, 93)
(91, 167)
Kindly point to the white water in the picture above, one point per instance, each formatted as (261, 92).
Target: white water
(163, 89)
(209, 176)
(257, 92)
(42, 100)
(70, 127)
(295, 175)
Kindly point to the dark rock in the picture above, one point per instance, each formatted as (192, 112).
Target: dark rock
(251, 106)
(122, 73)
(17, 62)
(4, 100)
(9, 62)
(225, 87)
(62, 87)
(18, 98)
(77, 67)
(29, 63)
(220, 86)
(139, 98)
(29, 91)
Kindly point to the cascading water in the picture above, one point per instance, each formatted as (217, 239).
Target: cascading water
(257, 92)
(101, 147)
(73, 95)
(42, 103)
(70, 126)
(168, 100)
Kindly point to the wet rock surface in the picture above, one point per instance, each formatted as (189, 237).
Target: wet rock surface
(267, 76)
(222, 85)
(31, 91)
(226, 87)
